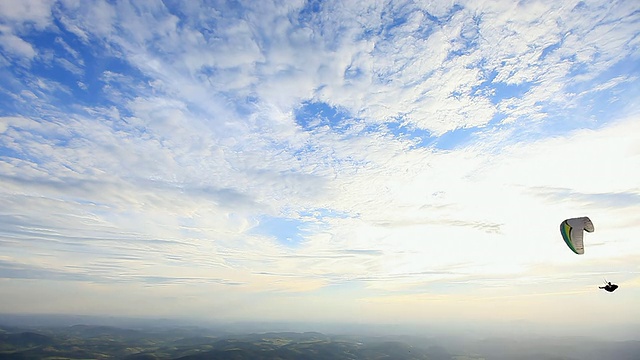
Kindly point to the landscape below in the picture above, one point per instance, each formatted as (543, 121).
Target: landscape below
(189, 342)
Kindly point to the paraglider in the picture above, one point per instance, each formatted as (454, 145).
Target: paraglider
(572, 231)
(609, 286)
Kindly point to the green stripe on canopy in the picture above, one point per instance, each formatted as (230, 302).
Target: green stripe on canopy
(565, 229)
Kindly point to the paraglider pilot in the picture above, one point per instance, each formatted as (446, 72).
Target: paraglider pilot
(609, 287)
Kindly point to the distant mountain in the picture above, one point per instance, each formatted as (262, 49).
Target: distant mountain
(195, 341)
(15, 346)
(106, 342)
(90, 331)
(141, 357)
(318, 350)
(25, 339)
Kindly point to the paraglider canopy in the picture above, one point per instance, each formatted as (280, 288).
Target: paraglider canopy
(572, 231)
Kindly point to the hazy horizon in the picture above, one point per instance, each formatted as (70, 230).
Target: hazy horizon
(376, 162)
(160, 340)
(513, 329)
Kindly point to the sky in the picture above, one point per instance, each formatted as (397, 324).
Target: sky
(357, 161)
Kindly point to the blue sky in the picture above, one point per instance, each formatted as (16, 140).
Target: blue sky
(369, 161)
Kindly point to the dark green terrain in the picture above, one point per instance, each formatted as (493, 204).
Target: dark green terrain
(104, 342)
(100, 342)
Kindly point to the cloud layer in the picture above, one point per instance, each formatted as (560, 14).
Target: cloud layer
(358, 157)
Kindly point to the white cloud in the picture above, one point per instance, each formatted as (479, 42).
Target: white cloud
(76, 55)
(13, 44)
(36, 12)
